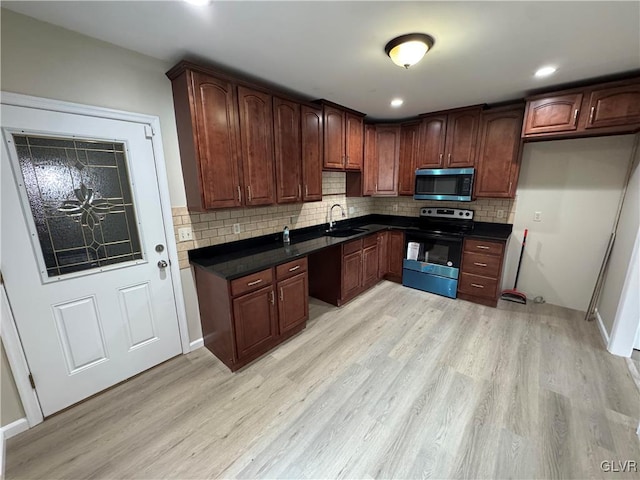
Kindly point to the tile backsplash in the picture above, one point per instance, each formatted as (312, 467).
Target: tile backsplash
(217, 227)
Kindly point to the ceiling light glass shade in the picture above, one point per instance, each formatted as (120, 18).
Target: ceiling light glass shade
(408, 50)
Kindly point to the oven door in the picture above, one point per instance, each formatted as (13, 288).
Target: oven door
(437, 265)
(437, 249)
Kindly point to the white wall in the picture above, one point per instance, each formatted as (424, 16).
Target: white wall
(619, 302)
(48, 61)
(576, 184)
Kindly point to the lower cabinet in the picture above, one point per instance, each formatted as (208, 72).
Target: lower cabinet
(395, 255)
(481, 271)
(244, 318)
(340, 273)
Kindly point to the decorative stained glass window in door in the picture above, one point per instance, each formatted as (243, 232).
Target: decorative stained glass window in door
(80, 198)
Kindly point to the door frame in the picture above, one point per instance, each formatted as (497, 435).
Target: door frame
(151, 123)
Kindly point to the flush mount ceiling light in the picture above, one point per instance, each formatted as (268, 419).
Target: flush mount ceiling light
(545, 71)
(396, 102)
(198, 2)
(407, 50)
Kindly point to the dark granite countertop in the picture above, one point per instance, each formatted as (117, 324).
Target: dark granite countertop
(237, 259)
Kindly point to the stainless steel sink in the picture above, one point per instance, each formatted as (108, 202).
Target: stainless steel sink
(345, 232)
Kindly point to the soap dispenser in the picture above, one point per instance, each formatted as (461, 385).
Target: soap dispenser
(285, 236)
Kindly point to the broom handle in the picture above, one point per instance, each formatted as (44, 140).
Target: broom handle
(524, 241)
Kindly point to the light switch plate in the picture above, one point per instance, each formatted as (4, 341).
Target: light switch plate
(537, 217)
(499, 213)
(185, 234)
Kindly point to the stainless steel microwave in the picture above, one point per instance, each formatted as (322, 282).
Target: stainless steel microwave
(455, 184)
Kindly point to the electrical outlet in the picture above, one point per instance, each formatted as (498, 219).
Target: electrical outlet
(185, 234)
(236, 228)
(537, 217)
(499, 213)
(351, 210)
(395, 207)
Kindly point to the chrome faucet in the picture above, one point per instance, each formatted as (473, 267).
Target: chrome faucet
(331, 222)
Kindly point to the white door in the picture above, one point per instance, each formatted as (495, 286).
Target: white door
(84, 251)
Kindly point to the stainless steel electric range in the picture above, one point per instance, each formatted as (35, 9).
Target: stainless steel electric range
(434, 250)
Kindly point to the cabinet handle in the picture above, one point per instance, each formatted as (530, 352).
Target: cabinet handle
(480, 264)
(482, 247)
(449, 158)
(477, 285)
(440, 157)
(281, 295)
(293, 269)
(239, 194)
(344, 160)
(306, 190)
(249, 192)
(376, 187)
(593, 110)
(273, 297)
(575, 115)
(251, 284)
(299, 191)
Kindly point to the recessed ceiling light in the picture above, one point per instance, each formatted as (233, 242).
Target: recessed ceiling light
(200, 3)
(545, 71)
(396, 102)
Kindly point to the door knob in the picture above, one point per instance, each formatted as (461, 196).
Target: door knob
(163, 264)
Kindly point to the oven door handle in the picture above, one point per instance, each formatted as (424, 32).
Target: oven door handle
(433, 236)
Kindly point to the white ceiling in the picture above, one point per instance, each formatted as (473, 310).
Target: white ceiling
(485, 52)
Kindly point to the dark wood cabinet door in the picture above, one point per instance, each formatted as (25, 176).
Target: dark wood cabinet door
(409, 135)
(383, 254)
(217, 142)
(254, 318)
(553, 114)
(370, 160)
(256, 133)
(611, 107)
(312, 149)
(287, 143)
(334, 139)
(462, 135)
(388, 149)
(499, 154)
(354, 141)
(370, 265)
(351, 274)
(293, 302)
(396, 255)
(432, 142)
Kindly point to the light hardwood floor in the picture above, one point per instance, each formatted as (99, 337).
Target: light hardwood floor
(397, 384)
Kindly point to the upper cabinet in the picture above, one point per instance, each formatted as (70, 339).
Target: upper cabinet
(604, 109)
(498, 159)
(382, 148)
(448, 140)
(242, 146)
(288, 156)
(312, 151)
(343, 139)
(208, 129)
(409, 138)
(256, 134)
(557, 113)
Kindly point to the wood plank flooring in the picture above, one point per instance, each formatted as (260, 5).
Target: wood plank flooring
(397, 384)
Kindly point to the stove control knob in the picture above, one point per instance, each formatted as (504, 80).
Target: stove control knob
(467, 214)
(460, 214)
(428, 211)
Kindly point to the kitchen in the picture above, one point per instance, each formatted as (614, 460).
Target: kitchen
(334, 185)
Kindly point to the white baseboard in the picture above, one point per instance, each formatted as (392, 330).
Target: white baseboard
(15, 428)
(603, 330)
(196, 344)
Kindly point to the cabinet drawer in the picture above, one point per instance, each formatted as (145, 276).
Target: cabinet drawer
(369, 241)
(487, 247)
(481, 264)
(290, 269)
(251, 282)
(352, 246)
(478, 285)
